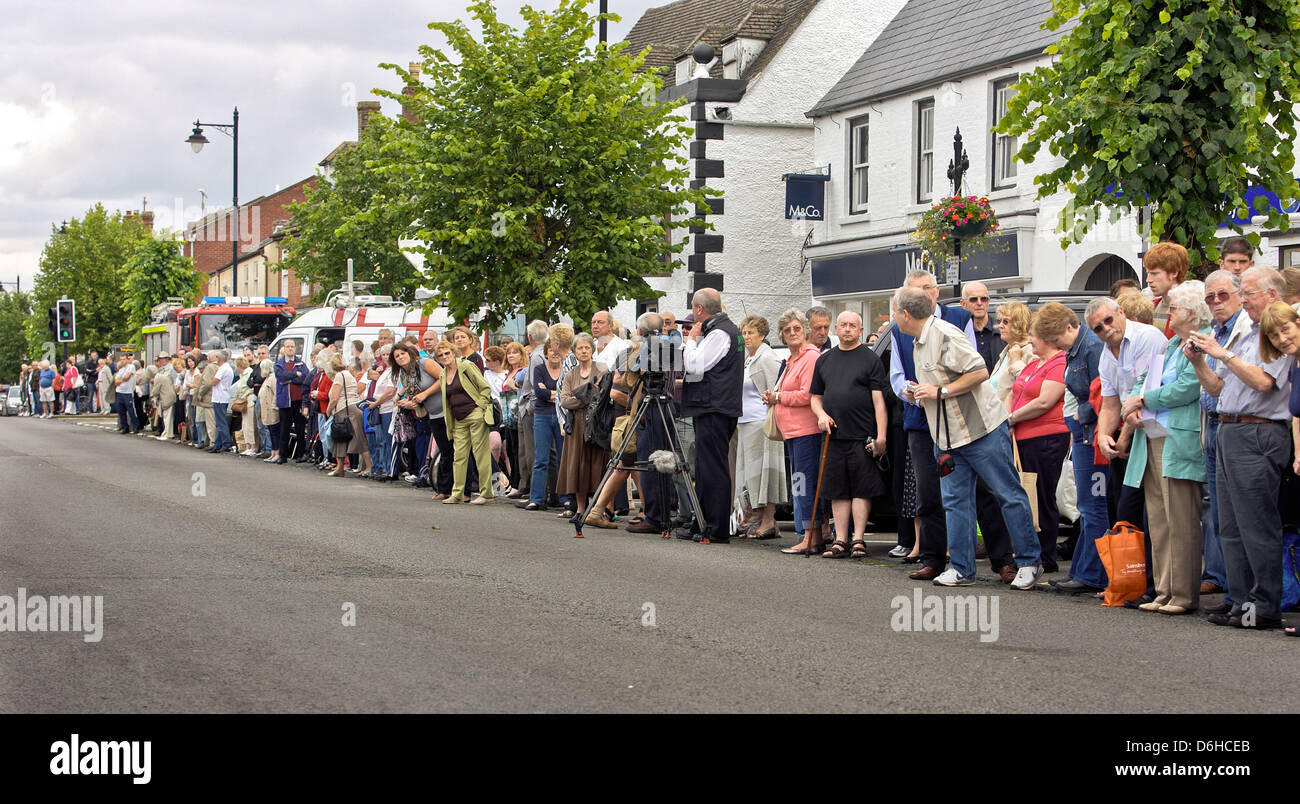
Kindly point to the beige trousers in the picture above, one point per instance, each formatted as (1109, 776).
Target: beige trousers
(1174, 522)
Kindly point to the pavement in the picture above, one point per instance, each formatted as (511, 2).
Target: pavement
(228, 585)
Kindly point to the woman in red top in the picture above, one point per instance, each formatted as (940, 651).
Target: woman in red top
(1038, 426)
(320, 394)
(798, 424)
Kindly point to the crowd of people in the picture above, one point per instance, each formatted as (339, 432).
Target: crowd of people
(1157, 399)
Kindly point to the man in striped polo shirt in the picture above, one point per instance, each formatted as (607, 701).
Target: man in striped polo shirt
(973, 431)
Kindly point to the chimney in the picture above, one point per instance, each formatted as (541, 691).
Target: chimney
(409, 90)
(364, 110)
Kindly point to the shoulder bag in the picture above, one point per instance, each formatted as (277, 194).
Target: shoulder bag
(341, 428)
(770, 428)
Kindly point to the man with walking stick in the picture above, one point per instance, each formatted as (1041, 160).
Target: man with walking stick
(844, 377)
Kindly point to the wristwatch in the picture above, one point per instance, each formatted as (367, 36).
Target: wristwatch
(943, 392)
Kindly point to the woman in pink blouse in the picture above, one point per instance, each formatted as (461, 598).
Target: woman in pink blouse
(798, 425)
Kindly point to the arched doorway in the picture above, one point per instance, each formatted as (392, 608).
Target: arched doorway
(1101, 271)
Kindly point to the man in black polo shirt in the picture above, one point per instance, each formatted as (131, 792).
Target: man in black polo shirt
(844, 379)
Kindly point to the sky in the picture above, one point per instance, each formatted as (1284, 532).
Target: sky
(96, 99)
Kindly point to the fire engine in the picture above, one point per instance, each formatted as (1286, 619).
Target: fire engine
(348, 315)
(218, 322)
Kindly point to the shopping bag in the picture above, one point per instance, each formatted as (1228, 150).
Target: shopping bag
(1123, 554)
(1028, 481)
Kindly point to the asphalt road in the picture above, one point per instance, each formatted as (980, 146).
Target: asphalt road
(233, 600)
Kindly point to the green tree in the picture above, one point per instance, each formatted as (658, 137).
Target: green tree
(156, 271)
(354, 212)
(1182, 104)
(15, 309)
(86, 263)
(541, 175)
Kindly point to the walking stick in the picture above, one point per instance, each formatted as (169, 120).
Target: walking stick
(821, 470)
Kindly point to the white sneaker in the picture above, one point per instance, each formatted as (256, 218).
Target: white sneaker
(950, 577)
(899, 551)
(1026, 577)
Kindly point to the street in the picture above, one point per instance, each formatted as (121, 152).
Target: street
(228, 591)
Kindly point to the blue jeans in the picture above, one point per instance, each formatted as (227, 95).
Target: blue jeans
(323, 423)
(219, 413)
(805, 455)
(990, 459)
(1090, 481)
(381, 445)
(263, 432)
(546, 430)
(1215, 570)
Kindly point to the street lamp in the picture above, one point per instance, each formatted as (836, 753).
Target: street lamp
(197, 141)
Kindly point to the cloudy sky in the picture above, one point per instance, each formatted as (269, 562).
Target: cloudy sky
(96, 99)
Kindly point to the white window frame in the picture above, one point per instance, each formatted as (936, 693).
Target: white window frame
(925, 151)
(859, 165)
(1005, 146)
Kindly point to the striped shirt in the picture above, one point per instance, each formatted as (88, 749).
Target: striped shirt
(943, 353)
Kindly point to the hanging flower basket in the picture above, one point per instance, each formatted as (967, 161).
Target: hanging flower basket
(969, 219)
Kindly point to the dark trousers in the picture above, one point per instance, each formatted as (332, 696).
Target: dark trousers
(525, 432)
(713, 472)
(930, 513)
(898, 449)
(1046, 455)
(655, 504)
(442, 476)
(291, 423)
(141, 415)
(1131, 506)
(1252, 459)
(126, 421)
(997, 539)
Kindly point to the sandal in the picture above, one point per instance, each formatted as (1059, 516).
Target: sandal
(801, 551)
(770, 533)
(859, 549)
(567, 513)
(1291, 630)
(838, 549)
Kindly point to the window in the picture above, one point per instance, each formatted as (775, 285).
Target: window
(1004, 145)
(858, 165)
(924, 150)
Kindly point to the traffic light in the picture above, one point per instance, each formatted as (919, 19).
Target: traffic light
(67, 320)
(53, 314)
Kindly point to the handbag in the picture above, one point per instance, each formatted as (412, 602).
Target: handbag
(341, 427)
(770, 427)
(1028, 482)
(240, 405)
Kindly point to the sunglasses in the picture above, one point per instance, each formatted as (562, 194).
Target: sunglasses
(977, 299)
(1106, 322)
(1220, 297)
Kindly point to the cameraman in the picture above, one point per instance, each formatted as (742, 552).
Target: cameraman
(714, 360)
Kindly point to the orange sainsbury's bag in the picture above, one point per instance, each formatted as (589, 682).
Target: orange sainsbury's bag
(1123, 554)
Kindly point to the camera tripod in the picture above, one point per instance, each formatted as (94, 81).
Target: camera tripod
(657, 404)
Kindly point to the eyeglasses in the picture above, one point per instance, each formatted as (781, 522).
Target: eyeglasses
(977, 299)
(1106, 322)
(1220, 297)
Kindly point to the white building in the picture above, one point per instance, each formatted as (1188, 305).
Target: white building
(887, 128)
(773, 59)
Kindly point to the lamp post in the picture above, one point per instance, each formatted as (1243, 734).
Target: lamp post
(197, 141)
(957, 167)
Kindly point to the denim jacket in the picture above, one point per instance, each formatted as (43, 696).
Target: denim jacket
(1080, 370)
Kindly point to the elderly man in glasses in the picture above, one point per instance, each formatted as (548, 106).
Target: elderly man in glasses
(1132, 348)
(1231, 325)
(1252, 453)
